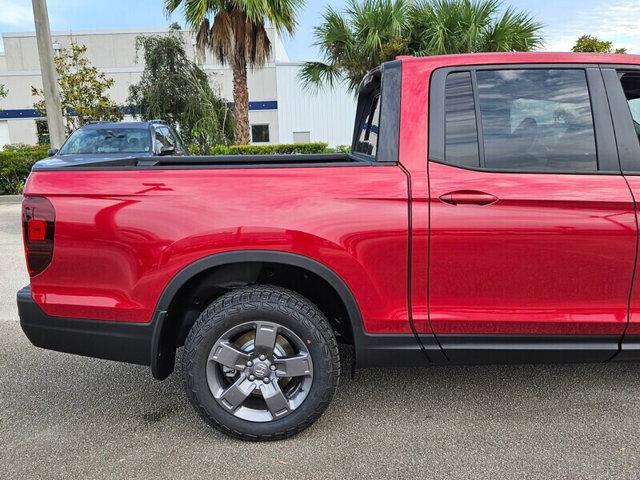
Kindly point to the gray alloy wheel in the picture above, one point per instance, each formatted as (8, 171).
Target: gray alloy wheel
(259, 371)
(261, 363)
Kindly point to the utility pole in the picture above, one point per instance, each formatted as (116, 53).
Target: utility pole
(49, 75)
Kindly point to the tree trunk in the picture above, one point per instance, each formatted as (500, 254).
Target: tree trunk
(241, 103)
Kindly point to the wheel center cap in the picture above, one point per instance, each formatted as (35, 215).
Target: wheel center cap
(260, 369)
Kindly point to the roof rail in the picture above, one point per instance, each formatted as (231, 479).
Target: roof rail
(157, 120)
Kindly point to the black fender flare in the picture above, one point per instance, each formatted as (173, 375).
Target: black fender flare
(162, 360)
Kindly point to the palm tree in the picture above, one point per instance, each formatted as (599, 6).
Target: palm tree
(370, 32)
(234, 31)
(356, 40)
(465, 26)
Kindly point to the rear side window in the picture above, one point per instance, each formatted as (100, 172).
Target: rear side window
(631, 87)
(367, 142)
(531, 120)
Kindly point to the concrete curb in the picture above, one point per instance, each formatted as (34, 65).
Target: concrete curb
(10, 199)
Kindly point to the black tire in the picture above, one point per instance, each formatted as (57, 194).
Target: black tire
(286, 309)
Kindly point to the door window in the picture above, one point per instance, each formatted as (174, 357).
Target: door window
(163, 138)
(531, 120)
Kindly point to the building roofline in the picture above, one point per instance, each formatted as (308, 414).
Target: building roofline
(290, 63)
(88, 32)
(116, 31)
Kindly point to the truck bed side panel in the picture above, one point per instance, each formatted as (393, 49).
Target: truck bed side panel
(122, 235)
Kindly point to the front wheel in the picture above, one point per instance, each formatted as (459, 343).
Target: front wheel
(261, 363)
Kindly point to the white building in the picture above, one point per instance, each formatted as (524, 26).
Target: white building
(280, 109)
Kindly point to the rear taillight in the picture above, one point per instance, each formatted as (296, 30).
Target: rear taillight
(38, 221)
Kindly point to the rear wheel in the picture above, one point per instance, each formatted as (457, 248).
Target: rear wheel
(261, 363)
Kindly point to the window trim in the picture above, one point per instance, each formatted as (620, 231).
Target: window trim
(625, 135)
(606, 153)
(387, 79)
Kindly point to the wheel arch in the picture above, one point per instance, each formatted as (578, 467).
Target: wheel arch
(163, 349)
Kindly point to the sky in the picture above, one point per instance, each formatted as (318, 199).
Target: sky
(564, 20)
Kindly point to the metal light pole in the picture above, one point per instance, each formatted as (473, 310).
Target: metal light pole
(49, 75)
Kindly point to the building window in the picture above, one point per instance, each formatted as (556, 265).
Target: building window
(260, 133)
(5, 139)
(301, 137)
(42, 130)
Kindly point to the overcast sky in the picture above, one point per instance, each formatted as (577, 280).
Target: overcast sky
(565, 20)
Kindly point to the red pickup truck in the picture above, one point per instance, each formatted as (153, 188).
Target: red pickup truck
(486, 214)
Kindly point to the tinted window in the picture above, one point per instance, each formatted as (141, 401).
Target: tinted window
(461, 138)
(163, 138)
(260, 133)
(631, 86)
(168, 135)
(106, 140)
(368, 139)
(536, 120)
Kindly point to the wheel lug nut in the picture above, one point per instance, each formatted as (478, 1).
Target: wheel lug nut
(249, 363)
(252, 378)
(273, 367)
(263, 357)
(266, 380)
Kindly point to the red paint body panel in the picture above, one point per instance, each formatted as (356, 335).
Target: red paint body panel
(413, 156)
(121, 236)
(634, 303)
(553, 255)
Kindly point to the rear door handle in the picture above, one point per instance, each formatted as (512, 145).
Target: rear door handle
(468, 197)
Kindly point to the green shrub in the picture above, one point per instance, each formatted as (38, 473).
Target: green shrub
(280, 149)
(15, 164)
(16, 160)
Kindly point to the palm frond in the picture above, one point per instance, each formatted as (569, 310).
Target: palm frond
(461, 26)
(315, 75)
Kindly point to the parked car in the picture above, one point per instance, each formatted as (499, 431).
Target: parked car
(118, 140)
(487, 213)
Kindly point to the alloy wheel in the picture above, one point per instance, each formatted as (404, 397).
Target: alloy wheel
(259, 371)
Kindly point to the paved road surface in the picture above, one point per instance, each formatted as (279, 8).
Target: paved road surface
(63, 416)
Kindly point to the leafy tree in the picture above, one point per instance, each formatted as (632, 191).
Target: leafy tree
(83, 89)
(175, 89)
(3, 91)
(370, 32)
(234, 31)
(588, 43)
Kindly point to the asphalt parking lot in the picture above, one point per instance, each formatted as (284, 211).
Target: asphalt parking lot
(63, 416)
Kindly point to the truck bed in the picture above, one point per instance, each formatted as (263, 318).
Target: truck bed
(203, 161)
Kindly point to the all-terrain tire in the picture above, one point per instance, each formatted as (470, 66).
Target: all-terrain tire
(282, 307)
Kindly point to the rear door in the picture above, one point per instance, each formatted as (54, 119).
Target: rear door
(533, 229)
